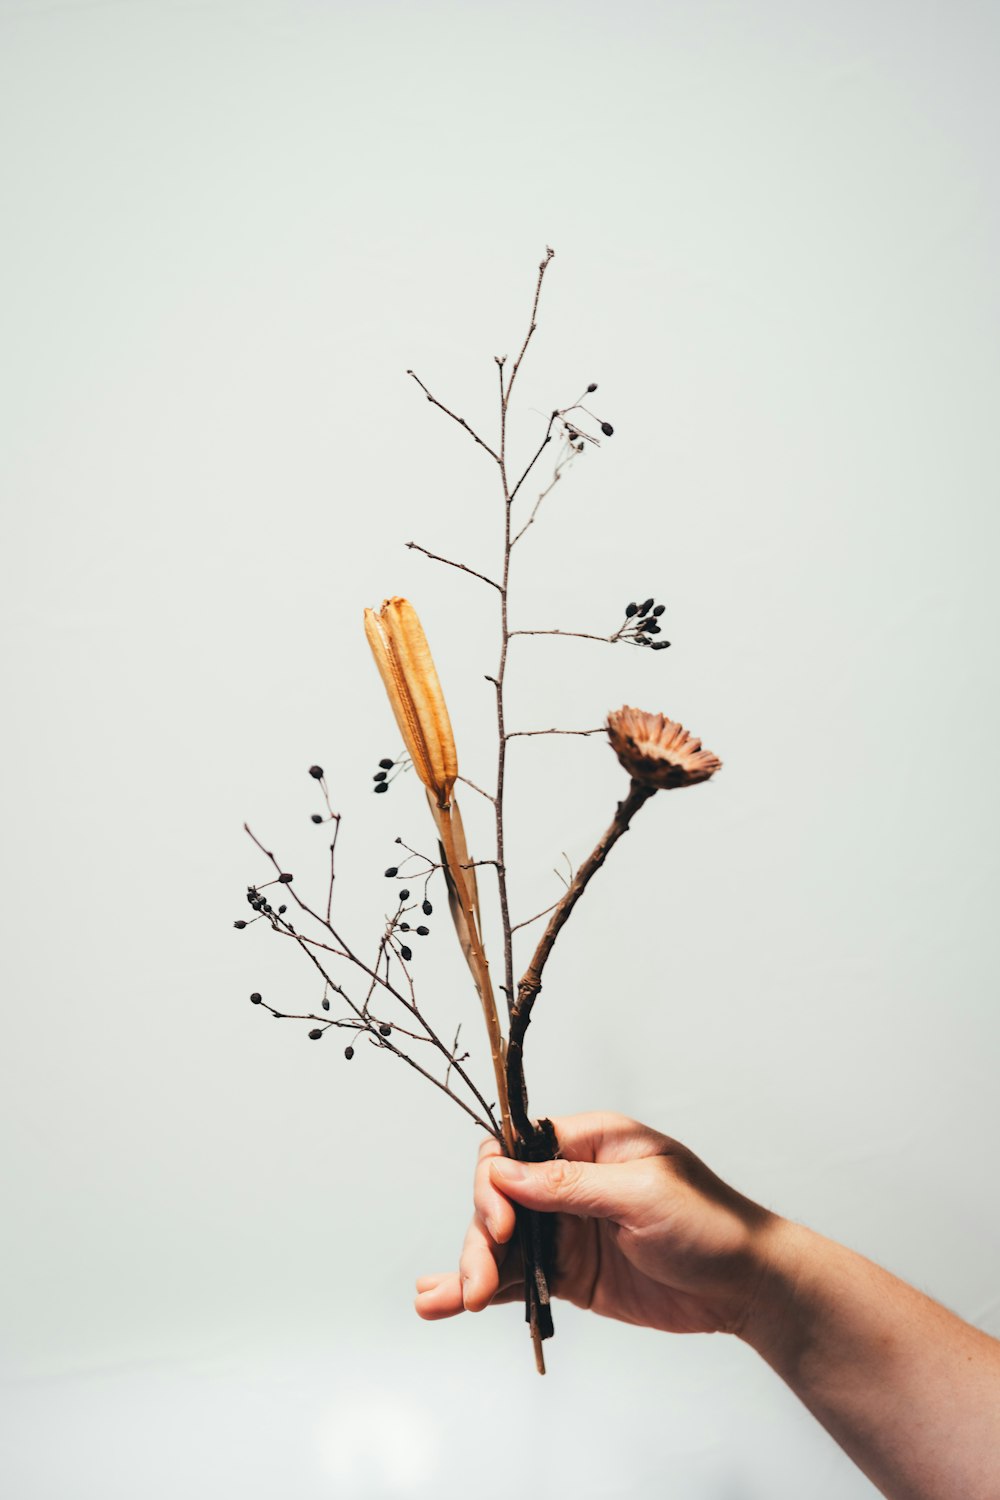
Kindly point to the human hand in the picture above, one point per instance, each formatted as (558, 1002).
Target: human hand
(645, 1233)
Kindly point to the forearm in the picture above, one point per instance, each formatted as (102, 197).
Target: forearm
(907, 1389)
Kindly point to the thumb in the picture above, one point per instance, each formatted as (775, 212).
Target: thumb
(605, 1190)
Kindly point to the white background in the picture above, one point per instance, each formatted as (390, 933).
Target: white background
(228, 229)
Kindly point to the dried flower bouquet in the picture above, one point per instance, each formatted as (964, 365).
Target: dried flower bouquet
(382, 1004)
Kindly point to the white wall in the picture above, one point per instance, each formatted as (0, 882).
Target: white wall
(228, 229)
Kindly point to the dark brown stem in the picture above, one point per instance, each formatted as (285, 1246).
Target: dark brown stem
(531, 982)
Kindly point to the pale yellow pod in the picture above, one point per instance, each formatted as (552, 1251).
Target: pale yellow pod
(404, 660)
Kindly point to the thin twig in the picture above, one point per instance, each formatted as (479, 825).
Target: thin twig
(533, 324)
(580, 635)
(483, 793)
(455, 418)
(538, 915)
(523, 734)
(462, 567)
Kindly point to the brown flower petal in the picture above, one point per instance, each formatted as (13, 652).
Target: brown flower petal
(658, 752)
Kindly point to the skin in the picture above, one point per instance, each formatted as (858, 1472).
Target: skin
(647, 1234)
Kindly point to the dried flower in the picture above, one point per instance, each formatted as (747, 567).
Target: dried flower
(657, 752)
(404, 660)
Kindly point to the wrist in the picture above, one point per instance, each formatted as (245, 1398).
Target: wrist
(769, 1322)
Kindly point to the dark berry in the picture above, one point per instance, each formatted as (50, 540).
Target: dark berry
(652, 627)
(404, 895)
(325, 1003)
(282, 910)
(239, 924)
(380, 775)
(422, 931)
(385, 1029)
(406, 953)
(315, 1034)
(607, 429)
(392, 870)
(426, 908)
(645, 608)
(315, 818)
(316, 772)
(256, 998)
(591, 388)
(382, 786)
(387, 765)
(660, 645)
(348, 1053)
(630, 610)
(285, 879)
(404, 926)
(658, 611)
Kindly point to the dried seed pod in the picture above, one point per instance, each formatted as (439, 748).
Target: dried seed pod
(658, 752)
(404, 660)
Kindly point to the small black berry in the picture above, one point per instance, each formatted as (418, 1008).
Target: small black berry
(404, 926)
(426, 908)
(645, 608)
(660, 645)
(382, 786)
(630, 610)
(658, 611)
(422, 931)
(239, 924)
(256, 998)
(316, 772)
(325, 1003)
(392, 870)
(403, 895)
(348, 1053)
(607, 429)
(282, 910)
(387, 765)
(652, 626)
(315, 818)
(406, 953)
(385, 1029)
(592, 387)
(315, 1034)
(380, 775)
(285, 879)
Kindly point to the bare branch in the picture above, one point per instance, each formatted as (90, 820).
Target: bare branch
(448, 413)
(526, 734)
(462, 567)
(579, 635)
(533, 324)
(538, 914)
(488, 795)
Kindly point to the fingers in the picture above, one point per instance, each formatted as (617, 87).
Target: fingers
(623, 1191)
(439, 1297)
(492, 1207)
(477, 1267)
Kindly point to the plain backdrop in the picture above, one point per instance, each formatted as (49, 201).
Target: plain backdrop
(228, 229)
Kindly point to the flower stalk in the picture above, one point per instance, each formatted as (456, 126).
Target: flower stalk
(410, 678)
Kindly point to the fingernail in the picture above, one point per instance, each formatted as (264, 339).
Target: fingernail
(508, 1170)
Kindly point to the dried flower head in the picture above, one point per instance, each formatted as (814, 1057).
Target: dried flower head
(657, 752)
(404, 659)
